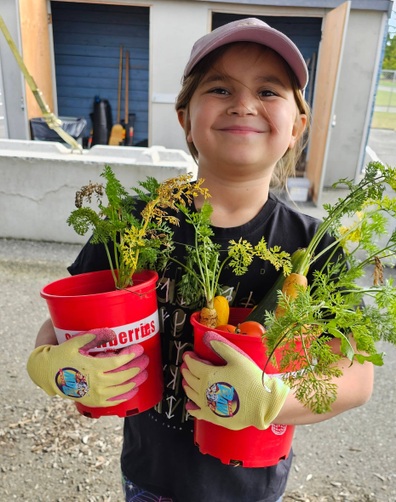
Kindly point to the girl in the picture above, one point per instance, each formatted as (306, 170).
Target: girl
(243, 112)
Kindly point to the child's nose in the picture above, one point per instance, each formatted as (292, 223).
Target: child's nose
(243, 103)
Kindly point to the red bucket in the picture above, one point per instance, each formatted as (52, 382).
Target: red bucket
(88, 301)
(248, 447)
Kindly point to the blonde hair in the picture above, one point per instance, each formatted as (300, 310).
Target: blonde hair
(286, 166)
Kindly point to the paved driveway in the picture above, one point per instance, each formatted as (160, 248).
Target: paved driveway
(382, 146)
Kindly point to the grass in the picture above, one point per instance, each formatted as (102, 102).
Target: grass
(385, 98)
(387, 82)
(383, 120)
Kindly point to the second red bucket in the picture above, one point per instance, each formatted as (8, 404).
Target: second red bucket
(88, 301)
(248, 447)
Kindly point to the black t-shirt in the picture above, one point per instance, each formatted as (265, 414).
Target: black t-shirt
(158, 452)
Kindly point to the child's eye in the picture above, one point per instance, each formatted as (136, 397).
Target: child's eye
(266, 93)
(219, 90)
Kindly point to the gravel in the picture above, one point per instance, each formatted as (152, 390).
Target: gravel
(48, 452)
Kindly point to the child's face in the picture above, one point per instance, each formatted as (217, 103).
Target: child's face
(243, 114)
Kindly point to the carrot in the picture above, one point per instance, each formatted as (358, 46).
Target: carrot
(291, 288)
(215, 313)
(269, 302)
(222, 307)
(208, 317)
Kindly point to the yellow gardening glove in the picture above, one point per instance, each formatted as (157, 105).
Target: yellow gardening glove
(98, 380)
(232, 395)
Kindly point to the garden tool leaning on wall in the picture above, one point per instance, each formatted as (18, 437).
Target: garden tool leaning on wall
(51, 119)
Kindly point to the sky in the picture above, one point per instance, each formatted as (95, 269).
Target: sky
(392, 21)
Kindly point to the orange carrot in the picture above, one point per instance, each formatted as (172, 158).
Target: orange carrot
(291, 288)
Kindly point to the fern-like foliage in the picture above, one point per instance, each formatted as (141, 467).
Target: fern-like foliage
(340, 303)
(205, 260)
(133, 241)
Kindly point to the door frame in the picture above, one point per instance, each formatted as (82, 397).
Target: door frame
(37, 52)
(335, 24)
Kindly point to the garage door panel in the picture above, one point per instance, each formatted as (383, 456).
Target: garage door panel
(87, 40)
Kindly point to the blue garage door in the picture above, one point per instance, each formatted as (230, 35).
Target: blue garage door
(87, 41)
(304, 31)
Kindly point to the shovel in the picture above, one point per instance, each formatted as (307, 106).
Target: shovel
(117, 133)
(129, 120)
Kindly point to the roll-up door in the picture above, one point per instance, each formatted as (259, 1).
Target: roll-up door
(87, 41)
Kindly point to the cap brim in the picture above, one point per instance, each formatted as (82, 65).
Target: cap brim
(257, 33)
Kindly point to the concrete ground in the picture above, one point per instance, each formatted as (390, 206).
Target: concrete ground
(382, 146)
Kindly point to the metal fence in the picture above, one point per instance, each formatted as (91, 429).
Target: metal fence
(387, 89)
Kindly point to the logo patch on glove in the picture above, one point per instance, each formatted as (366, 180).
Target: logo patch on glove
(71, 382)
(222, 399)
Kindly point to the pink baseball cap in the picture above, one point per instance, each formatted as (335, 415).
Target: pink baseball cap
(250, 30)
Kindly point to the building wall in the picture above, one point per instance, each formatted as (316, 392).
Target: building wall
(13, 81)
(171, 22)
(176, 24)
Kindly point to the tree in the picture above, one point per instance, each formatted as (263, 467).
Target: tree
(389, 62)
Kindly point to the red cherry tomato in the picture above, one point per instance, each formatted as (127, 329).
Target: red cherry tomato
(229, 328)
(250, 328)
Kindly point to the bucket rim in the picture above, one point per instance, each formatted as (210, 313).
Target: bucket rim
(145, 278)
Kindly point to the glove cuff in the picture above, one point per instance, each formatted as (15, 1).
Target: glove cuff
(35, 368)
(274, 394)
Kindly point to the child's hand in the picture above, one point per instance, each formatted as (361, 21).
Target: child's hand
(232, 395)
(98, 380)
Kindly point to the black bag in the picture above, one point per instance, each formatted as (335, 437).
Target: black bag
(39, 129)
(101, 122)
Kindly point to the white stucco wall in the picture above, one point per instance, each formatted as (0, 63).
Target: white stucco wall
(356, 88)
(13, 80)
(39, 181)
(171, 23)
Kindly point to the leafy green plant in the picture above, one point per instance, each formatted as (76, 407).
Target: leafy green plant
(133, 241)
(338, 302)
(205, 260)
